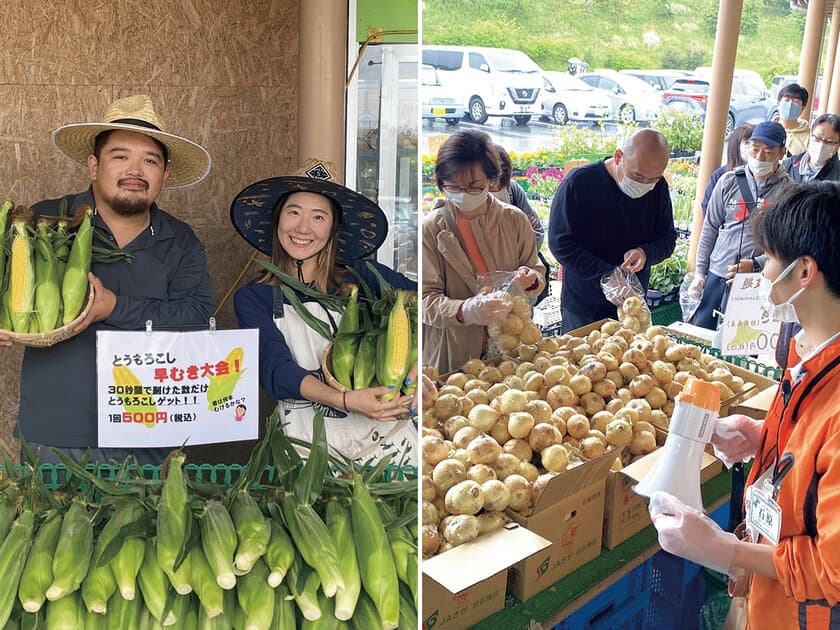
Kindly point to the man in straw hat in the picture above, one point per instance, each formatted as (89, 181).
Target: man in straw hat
(130, 158)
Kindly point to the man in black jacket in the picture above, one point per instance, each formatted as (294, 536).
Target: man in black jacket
(615, 213)
(820, 160)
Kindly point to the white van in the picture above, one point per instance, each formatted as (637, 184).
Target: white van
(489, 81)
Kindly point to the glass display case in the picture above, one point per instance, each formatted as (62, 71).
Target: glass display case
(382, 163)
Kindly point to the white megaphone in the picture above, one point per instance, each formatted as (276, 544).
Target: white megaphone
(677, 469)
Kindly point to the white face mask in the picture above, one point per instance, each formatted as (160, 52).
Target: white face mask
(820, 152)
(759, 168)
(466, 202)
(634, 189)
(784, 312)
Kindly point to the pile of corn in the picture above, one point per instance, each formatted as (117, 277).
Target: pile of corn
(376, 346)
(317, 550)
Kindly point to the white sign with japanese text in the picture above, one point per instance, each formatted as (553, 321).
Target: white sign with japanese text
(172, 388)
(743, 331)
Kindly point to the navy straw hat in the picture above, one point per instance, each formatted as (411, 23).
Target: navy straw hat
(363, 226)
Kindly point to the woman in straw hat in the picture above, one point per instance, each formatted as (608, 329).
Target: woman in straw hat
(129, 158)
(312, 227)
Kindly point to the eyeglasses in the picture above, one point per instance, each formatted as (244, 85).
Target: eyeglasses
(455, 190)
(831, 143)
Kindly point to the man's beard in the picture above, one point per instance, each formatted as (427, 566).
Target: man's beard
(129, 206)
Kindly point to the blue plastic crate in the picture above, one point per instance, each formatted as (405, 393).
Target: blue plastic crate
(622, 606)
(682, 613)
(671, 576)
(721, 515)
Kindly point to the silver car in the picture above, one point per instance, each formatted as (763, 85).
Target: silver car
(633, 100)
(567, 98)
(436, 100)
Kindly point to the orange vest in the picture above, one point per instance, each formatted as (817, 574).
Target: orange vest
(804, 420)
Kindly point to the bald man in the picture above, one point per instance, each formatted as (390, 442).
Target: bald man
(614, 213)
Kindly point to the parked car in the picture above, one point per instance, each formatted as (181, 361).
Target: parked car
(489, 81)
(778, 81)
(568, 98)
(437, 101)
(636, 100)
(746, 103)
(659, 80)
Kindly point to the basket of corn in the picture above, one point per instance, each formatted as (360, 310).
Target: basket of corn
(321, 542)
(44, 265)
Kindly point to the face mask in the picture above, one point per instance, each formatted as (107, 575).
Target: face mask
(784, 312)
(634, 189)
(759, 168)
(745, 152)
(788, 110)
(820, 152)
(502, 195)
(467, 202)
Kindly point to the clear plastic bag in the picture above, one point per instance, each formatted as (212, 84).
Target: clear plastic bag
(516, 328)
(622, 288)
(688, 302)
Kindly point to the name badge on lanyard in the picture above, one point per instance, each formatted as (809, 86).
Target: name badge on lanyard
(764, 516)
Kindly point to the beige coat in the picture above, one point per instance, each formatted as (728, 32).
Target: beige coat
(506, 240)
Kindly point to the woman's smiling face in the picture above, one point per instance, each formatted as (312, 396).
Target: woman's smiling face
(305, 224)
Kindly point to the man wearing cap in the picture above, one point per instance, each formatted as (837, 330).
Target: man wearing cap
(129, 158)
(726, 245)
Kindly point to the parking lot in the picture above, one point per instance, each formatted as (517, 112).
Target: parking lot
(537, 134)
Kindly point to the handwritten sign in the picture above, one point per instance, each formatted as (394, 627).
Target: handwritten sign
(744, 332)
(170, 388)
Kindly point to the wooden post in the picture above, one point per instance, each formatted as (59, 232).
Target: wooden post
(322, 63)
(830, 60)
(811, 44)
(717, 109)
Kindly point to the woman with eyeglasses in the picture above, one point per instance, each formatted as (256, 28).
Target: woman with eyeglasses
(470, 233)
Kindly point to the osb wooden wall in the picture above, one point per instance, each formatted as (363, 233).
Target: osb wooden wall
(221, 73)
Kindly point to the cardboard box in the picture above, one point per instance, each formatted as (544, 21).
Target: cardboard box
(758, 405)
(625, 512)
(569, 514)
(467, 583)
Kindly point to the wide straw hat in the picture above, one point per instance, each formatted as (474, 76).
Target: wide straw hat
(363, 224)
(189, 162)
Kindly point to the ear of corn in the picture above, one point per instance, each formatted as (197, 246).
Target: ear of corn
(364, 367)
(8, 510)
(365, 616)
(338, 522)
(21, 278)
(218, 540)
(154, 585)
(327, 620)
(203, 580)
(180, 577)
(313, 541)
(13, 553)
(284, 610)
(126, 559)
(376, 562)
(5, 208)
(174, 520)
(37, 574)
(97, 588)
(66, 613)
(73, 554)
(403, 548)
(408, 612)
(122, 613)
(303, 585)
(256, 597)
(393, 350)
(185, 612)
(279, 554)
(253, 531)
(47, 290)
(126, 565)
(74, 284)
(346, 342)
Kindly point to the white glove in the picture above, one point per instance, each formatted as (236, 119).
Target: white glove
(484, 309)
(695, 289)
(690, 534)
(736, 439)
